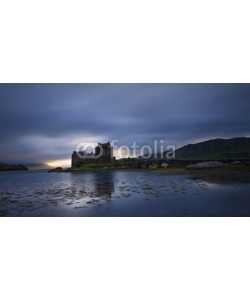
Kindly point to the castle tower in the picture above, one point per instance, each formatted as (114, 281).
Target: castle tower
(106, 157)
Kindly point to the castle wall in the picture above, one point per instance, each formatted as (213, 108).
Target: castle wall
(107, 156)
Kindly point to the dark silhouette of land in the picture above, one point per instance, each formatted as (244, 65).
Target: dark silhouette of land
(7, 167)
(217, 153)
(235, 148)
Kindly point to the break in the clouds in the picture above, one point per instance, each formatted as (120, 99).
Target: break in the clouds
(44, 122)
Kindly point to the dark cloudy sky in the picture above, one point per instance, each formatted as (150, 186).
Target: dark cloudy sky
(44, 122)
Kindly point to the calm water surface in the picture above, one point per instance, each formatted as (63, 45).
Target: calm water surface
(123, 193)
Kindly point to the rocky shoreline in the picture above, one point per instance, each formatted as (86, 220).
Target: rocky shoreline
(204, 166)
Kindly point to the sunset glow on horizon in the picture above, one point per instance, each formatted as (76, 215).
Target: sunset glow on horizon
(59, 163)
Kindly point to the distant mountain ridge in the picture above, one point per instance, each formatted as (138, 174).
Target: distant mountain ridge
(38, 166)
(216, 149)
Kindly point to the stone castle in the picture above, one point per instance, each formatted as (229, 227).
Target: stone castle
(103, 154)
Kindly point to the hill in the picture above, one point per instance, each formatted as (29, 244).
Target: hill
(6, 167)
(216, 149)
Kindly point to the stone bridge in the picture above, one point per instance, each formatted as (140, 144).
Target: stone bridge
(145, 164)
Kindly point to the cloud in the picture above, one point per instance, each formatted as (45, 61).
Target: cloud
(41, 122)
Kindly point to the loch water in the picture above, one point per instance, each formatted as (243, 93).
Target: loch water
(125, 193)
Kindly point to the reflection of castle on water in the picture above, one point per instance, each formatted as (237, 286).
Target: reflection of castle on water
(104, 189)
(104, 186)
(93, 184)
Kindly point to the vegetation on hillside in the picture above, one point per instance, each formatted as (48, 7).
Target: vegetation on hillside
(6, 167)
(216, 149)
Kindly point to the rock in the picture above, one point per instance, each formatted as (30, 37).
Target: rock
(164, 165)
(237, 163)
(56, 170)
(207, 165)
